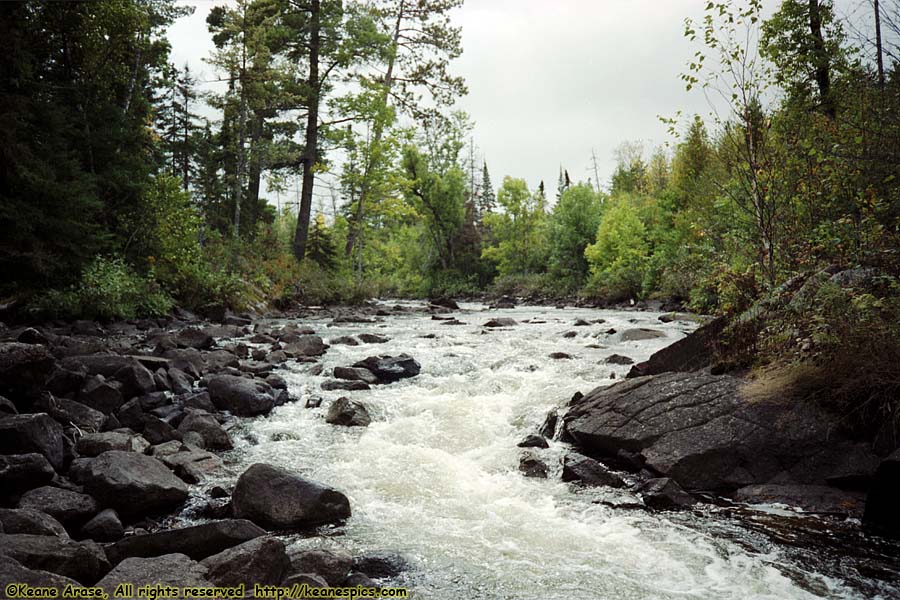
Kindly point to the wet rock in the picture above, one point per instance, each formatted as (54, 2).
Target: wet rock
(504, 302)
(260, 561)
(664, 493)
(501, 322)
(84, 562)
(348, 386)
(240, 396)
(560, 356)
(24, 471)
(344, 340)
(448, 303)
(637, 335)
(277, 382)
(699, 430)
(530, 465)
(581, 323)
(276, 498)
(70, 412)
(344, 411)
(95, 444)
(570, 334)
(262, 338)
(690, 353)
(214, 435)
(307, 345)
(24, 367)
(618, 359)
(33, 433)
(12, 572)
(881, 512)
(133, 484)
(102, 395)
(311, 580)
(332, 566)
(533, 441)
(191, 337)
(179, 382)
(372, 338)
(157, 431)
(381, 565)
(69, 508)
(30, 521)
(197, 542)
(813, 498)
(355, 374)
(587, 471)
(175, 570)
(314, 402)
(389, 369)
(548, 428)
(199, 400)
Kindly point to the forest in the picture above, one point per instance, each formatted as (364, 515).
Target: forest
(119, 199)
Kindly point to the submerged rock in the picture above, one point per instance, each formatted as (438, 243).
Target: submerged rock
(389, 369)
(664, 494)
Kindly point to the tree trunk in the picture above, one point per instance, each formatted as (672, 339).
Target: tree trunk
(878, 51)
(312, 134)
(820, 59)
(255, 172)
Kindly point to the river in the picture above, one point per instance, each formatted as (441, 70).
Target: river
(435, 476)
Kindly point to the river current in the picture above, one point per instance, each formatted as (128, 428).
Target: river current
(435, 476)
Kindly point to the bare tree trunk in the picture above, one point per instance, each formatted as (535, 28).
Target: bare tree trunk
(878, 51)
(823, 76)
(312, 134)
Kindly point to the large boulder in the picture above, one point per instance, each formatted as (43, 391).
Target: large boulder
(355, 374)
(70, 508)
(306, 345)
(260, 561)
(84, 562)
(96, 364)
(26, 520)
(690, 353)
(197, 542)
(191, 337)
(240, 396)
(95, 444)
(104, 527)
(214, 435)
(24, 367)
(175, 570)
(134, 484)
(274, 497)
(700, 430)
(389, 369)
(500, 322)
(24, 471)
(24, 434)
(100, 394)
(882, 512)
(13, 573)
(587, 471)
(348, 413)
(136, 379)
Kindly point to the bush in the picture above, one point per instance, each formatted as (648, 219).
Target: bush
(108, 289)
(618, 259)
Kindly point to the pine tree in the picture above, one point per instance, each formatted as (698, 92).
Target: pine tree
(320, 246)
(488, 195)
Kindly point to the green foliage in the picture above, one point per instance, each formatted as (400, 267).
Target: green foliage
(518, 234)
(618, 260)
(572, 227)
(108, 289)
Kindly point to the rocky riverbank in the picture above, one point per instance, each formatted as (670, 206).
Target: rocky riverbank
(106, 431)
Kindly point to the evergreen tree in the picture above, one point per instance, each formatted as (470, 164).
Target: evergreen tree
(320, 246)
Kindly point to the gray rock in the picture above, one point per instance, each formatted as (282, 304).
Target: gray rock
(260, 561)
(618, 359)
(690, 353)
(131, 415)
(168, 570)
(157, 431)
(698, 429)
(191, 337)
(70, 412)
(273, 497)
(32, 522)
(24, 367)
(84, 562)
(373, 338)
(33, 433)
(197, 542)
(180, 382)
(7, 407)
(348, 386)
(192, 464)
(637, 335)
(344, 340)
(530, 465)
(501, 322)
(587, 471)
(105, 527)
(96, 364)
(813, 498)
(95, 444)
(242, 397)
(344, 411)
(355, 374)
(24, 471)
(12, 572)
(664, 494)
(389, 369)
(332, 566)
(133, 484)
(70, 508)
(214, 435)
(100, 394)
(307, 345)
(881, 511)
(136, 379)
(381, 565)
(533, 441)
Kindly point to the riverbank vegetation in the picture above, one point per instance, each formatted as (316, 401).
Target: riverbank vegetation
(126, 188)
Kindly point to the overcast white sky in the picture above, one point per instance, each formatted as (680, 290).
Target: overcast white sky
(551, 80)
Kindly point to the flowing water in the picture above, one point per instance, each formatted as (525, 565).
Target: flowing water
(435, 476)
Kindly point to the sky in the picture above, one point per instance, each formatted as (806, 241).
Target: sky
(551, 82)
